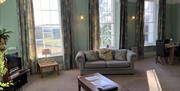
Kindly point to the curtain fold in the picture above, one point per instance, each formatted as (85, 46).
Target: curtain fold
(140, 28)
(94, 31)
(67, 32)
(123, 24)
(28, 51)
(161, 19)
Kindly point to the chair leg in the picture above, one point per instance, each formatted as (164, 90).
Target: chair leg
(161, 60)
(156, 59)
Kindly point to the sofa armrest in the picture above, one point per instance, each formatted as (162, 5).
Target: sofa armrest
(80, 59)
(131, 56)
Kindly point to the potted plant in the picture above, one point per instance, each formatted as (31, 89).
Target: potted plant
(4, 35)
(3, 71)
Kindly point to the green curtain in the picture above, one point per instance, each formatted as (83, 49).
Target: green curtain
(140, 28)
(161, 19)
(26, 22)
(94, 31)
(123, 24)
(66, 19)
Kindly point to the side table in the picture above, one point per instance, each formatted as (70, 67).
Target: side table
(48, 64)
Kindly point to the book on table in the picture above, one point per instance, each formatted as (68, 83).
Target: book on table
(102, 85)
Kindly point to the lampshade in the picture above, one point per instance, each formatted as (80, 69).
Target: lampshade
(2, 1)
(46, 51)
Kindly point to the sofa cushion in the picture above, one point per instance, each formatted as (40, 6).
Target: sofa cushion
(95, 64)
(91, 55)
(105, 54)
(117, 64)
(120, 55)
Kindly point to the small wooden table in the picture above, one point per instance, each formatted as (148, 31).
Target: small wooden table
(48, 64)
(88, 85)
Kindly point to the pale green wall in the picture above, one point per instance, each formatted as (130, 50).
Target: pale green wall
(81, 27)
(173, 21)
(9, 20)
(117, 23)
(177, 22)
(131, 10)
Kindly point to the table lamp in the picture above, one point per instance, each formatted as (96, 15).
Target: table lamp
(46, 52)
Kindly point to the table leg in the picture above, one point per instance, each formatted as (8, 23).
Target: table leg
(57, 66)
(79, 87)
(41, 73)
(171, 57)
(38, 68)
(54, 68)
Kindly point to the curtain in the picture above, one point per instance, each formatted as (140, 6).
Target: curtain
(28, 52)
(161, 19)
(123, 24)
(94, 31)
(66, 18)
(140, 28)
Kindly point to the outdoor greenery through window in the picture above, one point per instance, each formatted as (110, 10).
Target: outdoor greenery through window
(47, 27)
(106, 19)
(150, 22)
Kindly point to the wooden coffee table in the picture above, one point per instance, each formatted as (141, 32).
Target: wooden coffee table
(88, 85)
(48, 64)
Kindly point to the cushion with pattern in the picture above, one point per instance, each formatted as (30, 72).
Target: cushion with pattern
(120, 55)
(105, 54)
(91, 55)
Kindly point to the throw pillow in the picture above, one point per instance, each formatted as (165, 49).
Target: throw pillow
(120, 55)
(91, 55)
(105, 54)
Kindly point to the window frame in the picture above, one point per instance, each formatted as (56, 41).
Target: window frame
(49, 25)
(112, 23)
(153, 21)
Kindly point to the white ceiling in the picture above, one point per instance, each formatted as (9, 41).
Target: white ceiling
(168, 1)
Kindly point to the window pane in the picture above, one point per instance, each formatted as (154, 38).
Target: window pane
(44, 4)
(37, 4)
(45, 17)
(39, 33)
(54, 4)
(55, 17)
(38, 18)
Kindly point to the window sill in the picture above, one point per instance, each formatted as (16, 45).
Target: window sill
(149, 45)
(53, 56)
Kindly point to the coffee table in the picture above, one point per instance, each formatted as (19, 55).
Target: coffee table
(86, 82)
(48, 64)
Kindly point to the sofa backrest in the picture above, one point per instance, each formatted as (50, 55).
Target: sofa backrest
(113, 51)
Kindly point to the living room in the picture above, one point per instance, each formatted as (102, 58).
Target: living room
(57, 32)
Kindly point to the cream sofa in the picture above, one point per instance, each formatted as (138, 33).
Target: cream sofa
(106, 66)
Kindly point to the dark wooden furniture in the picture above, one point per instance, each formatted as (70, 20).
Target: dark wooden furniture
(16, 74)
(166, 49)
(177, 52)
(48, 64)
(161, 51)
(19, 78)
(87, 85)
